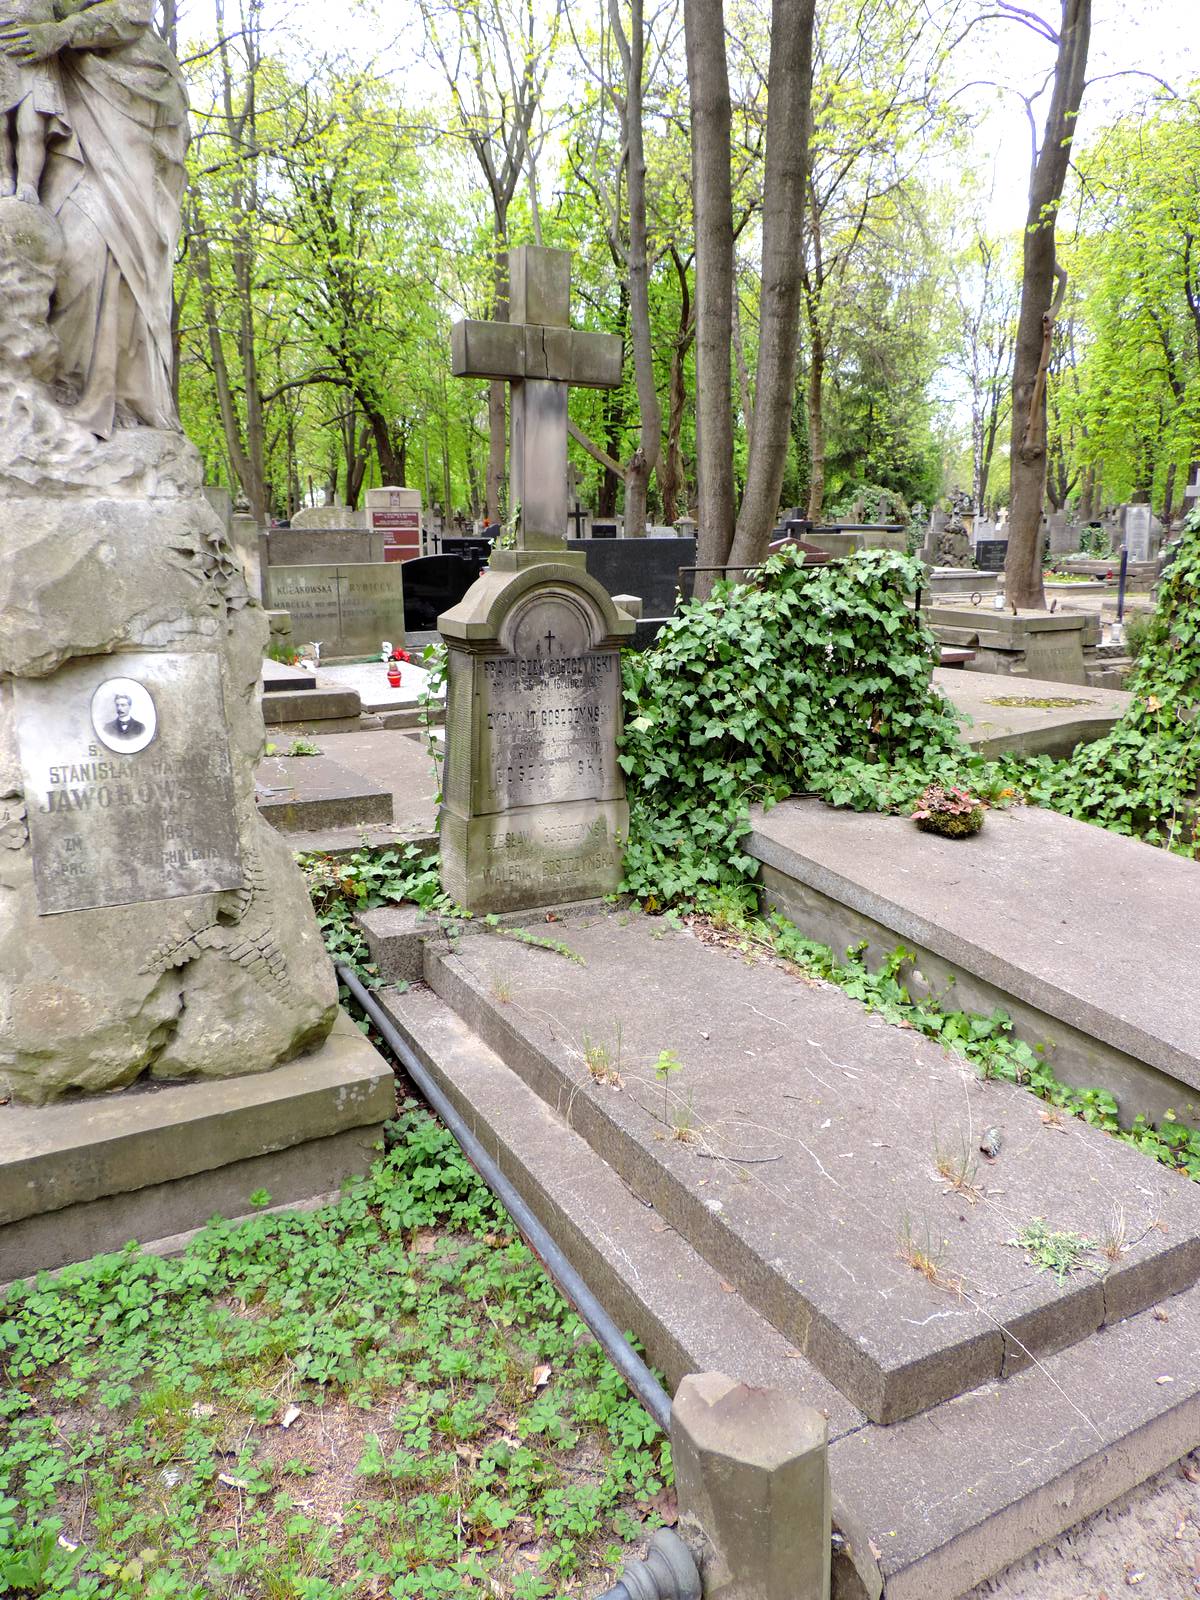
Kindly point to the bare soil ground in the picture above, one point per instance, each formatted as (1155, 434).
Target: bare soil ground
(1147, 1544)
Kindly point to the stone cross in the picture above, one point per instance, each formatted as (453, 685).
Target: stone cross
(578, 516)
(539, 355)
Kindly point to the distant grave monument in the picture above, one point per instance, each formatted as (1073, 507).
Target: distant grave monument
(346, 608)
(947, 543)
(534, 809)
(396, 514)
(151, 926)
(1139, 533)
(338, 518)
(1063, 534)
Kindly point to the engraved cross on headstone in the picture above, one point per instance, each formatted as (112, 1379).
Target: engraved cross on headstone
(540, 356)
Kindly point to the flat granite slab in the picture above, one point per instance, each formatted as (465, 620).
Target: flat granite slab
(1001, 714)
(369, 681)
(824, 1163)
(393, 763)
(1093, 931)
(278, 676)
(309, 792)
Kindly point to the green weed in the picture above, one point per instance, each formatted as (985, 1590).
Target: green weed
(141, 1446)
(1052, 1251)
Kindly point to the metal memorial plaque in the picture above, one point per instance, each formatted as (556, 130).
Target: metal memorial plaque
(128, 781)
(990, 554)
(548, 714)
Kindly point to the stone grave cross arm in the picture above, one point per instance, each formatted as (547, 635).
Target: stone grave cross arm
(540, 356)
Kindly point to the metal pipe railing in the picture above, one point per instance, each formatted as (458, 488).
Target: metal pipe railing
(538, 1237)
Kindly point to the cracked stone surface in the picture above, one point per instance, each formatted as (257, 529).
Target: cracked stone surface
(826, 1163)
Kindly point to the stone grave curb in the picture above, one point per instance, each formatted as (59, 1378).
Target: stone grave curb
(396, 935)
(968, 1523)
(322, 793)
(342, 842)
(1085, 1046)
(887, 1387)
(310, 705)
(84, 1176)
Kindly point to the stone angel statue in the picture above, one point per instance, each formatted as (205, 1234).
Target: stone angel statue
(93, 126)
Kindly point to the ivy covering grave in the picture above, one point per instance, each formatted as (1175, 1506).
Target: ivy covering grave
(807, 680)
(1142, 777)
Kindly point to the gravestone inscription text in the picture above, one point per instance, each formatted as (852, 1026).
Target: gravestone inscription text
(549, 727)
(347, 608)
(128, 780)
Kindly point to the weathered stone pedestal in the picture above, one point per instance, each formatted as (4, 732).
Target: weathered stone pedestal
(534, 809)
(1036, 644)
(154, 930)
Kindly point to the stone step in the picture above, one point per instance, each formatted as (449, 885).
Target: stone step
(824, 1163)
(1087, 939)
(314, 705)
(90, 1173)
(924, 1508)
(308, 793)
(385, 788)
(278, 676)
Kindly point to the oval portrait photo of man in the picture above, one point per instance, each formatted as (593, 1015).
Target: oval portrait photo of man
(123, 715)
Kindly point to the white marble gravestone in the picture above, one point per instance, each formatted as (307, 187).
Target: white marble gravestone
(1139, 533)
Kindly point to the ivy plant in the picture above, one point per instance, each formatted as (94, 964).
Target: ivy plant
(342, 886)
(1142, 777)
(807, 679)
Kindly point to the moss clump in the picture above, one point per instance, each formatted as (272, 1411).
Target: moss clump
(955, 825)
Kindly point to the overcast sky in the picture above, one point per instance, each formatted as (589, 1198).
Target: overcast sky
(1156, 36)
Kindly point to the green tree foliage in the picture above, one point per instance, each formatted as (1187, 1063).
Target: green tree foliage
(1126, 397)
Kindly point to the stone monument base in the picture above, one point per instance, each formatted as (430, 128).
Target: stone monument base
(87, 1176)
(534, 810)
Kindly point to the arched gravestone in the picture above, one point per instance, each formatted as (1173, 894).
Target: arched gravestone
(533, 810)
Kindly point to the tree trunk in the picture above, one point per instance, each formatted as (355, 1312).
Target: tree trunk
(743, 370)
(670, 466)
(1087, 495)
(989, 446)
(1023, 566)
(497, 440)
(247, 469)
(712, 200)
(645, 457)
(816, 415)
(788, 117)
(391, 464)
(1168, 506)
(614, 422)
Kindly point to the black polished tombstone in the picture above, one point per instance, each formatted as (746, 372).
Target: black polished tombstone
(604, 530)
(475, 550)
(432, 584)
(990, 554)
